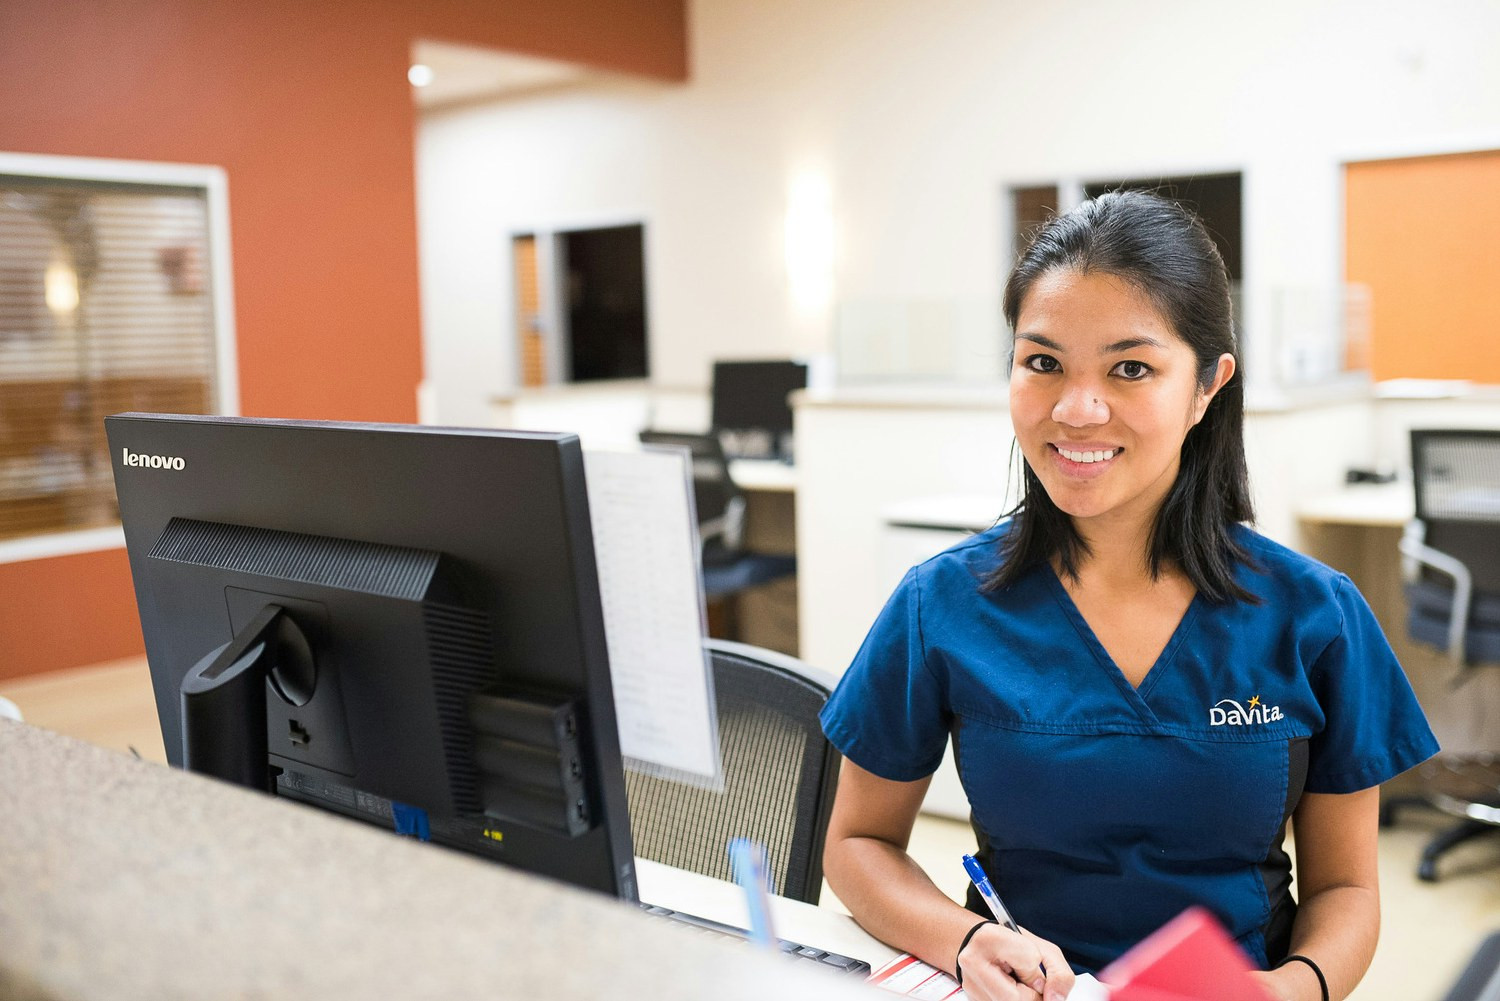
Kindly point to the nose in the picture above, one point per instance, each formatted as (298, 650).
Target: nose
(1081, 405)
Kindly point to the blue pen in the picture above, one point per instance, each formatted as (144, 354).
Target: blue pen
(982, 884)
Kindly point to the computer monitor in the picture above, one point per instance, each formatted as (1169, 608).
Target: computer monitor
(750, 410)
(397, 623)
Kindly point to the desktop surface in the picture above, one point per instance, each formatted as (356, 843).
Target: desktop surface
(126, 879)
(764, 475)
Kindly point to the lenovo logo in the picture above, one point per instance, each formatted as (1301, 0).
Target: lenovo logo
(154, 461)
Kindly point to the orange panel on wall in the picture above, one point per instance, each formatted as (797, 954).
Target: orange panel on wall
(67, 611)
(1424, 235)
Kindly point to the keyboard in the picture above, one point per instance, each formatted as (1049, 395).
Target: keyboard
(823, 958)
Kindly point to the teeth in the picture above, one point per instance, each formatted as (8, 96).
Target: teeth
(1094, 456)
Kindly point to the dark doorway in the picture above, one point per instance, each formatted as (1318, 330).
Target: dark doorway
(606, 302)
(1214, 198)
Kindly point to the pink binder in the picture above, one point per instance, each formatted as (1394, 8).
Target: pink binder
(1190, 958)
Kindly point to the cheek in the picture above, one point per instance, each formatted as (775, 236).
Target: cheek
(1166, 424)
(1029, 404)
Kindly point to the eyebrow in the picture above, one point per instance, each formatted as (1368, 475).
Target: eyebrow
(1114, 347)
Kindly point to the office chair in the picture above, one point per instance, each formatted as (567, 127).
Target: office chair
(779, 777)
(1480, 979)
(1452, 548)
(728, 568)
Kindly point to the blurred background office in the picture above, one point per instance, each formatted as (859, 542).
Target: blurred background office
(834, 182)
(563, 213)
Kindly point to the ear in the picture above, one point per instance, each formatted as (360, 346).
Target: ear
(1222, 374)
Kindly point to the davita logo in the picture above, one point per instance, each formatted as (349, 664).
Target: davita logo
(1228, 712)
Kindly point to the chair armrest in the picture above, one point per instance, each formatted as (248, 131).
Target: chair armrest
(1463, 586)
(734, 524)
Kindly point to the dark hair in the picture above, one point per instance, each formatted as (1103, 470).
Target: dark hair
(1162, 250)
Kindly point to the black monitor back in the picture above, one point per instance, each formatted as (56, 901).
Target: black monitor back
(752, 395)
(441, 577)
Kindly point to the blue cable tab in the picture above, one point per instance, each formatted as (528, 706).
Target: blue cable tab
(410, 821)
(747, 860)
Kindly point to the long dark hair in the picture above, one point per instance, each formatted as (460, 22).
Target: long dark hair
(1161, 249)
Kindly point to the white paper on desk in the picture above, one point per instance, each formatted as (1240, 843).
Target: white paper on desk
(908, 976)
(646, 547)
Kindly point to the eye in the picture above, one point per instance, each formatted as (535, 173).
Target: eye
(1133, 371)
(1042, 363)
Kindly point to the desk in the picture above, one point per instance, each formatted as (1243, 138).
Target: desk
(125, 879)
(767, 615)
(1388, 505)
(763, 475)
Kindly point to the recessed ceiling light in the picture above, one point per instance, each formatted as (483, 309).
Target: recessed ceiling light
(420, 75)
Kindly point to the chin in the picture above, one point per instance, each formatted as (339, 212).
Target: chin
(1082, 512)
(1075, 506)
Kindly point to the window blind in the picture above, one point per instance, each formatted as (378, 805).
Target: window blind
(105, 306)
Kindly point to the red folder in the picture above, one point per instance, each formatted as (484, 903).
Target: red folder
(1190, 958)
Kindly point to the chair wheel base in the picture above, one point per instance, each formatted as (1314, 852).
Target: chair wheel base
(1467, 830)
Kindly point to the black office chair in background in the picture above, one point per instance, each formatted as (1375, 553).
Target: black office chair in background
(1453, 600)
(728, 568)
(779, 776)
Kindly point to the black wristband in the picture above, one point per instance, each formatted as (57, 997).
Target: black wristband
(958, 972)
(1294, 958)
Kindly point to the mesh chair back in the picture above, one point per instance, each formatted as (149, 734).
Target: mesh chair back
(1456, 475)
(714, 492)
(779, 777)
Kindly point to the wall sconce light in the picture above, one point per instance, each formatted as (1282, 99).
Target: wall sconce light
(809, 240)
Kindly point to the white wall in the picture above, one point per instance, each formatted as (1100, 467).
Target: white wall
(917, 117)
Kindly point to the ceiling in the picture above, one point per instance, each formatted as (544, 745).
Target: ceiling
(462, 73)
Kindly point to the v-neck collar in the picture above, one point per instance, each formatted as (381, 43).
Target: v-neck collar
(1136, 696)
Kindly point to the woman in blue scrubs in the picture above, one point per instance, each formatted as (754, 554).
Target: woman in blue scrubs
(1141, 691)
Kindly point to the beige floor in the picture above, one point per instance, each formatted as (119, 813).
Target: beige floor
(1429, 929)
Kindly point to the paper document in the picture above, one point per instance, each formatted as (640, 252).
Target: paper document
(646, 547)
(910, 977)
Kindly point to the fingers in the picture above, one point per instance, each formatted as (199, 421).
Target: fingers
(1000, 965)
(1059, 973)
(991, 984)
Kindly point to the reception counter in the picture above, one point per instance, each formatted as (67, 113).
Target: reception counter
(124, 879)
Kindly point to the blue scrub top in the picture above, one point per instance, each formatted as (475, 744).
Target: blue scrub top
(1103, 810)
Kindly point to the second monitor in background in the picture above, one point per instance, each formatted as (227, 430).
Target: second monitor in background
(752, 415)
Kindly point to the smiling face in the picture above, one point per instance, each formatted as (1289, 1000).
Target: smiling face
(1102, 393)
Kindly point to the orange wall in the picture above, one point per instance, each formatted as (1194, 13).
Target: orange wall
(1424, 234)
(307, 108)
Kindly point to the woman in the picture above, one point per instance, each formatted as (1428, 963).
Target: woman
(1141, 691)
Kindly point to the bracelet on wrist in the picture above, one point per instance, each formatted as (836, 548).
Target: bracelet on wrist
(958, 971)
(1295, 958)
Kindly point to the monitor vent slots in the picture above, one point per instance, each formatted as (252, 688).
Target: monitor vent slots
(370, 568)
(459, 645)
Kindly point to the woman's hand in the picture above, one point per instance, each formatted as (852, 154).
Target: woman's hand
(1001, 965)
